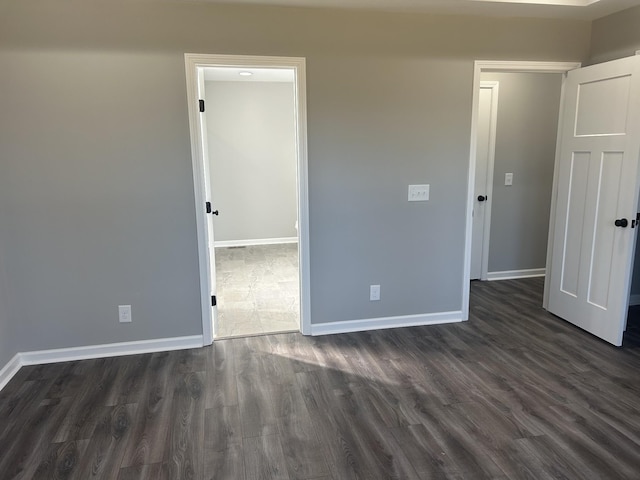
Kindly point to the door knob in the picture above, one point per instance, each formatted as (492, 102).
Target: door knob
(621, 222)
(481, 198)
(215, 212)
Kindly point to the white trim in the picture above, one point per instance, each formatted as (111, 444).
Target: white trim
(197, 164)
(56, 355)
(513, 274)
(9, 370)
(493, 128)
(634, 299)
(524, 66)
(495, 66)
(192, 63)
(386, 322)
(254, 241)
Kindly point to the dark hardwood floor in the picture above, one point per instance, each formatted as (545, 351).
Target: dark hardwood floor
(513, 393)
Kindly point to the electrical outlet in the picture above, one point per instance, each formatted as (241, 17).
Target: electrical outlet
(508, 179)
(374, 292)
(124, 313)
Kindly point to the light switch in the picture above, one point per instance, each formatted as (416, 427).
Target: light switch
(418, 193)
(508, 178)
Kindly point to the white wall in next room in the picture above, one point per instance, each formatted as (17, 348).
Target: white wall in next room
(252, 155)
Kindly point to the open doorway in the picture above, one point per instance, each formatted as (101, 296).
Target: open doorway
(590, 251)
(248, 136)
(250, 116)
(507, 197)
(517, 131)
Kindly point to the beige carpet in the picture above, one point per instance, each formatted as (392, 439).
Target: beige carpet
(257, 290)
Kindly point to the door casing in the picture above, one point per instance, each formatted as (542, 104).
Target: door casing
(498, 66)
(193, 63)
(488, 187)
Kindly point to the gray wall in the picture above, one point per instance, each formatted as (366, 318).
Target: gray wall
(94, 142)
(252, 153)
(96, 171)
(8, 346)
(615, 36)
(528, 107)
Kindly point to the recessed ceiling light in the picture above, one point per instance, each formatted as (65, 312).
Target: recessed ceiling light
(245, 74)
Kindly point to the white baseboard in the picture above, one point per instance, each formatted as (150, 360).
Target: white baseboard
(386, 322)
(634, 299)
(110, 350)
(9, 370)
(255, 241)
(513, 274)
(56, 355)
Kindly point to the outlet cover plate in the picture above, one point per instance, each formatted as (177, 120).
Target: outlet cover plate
(124, 313)
(374, 293)
(508, 179)
(418, 193)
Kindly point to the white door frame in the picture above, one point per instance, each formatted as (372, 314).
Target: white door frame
(192, 63)
(498, 66)
(486, 229)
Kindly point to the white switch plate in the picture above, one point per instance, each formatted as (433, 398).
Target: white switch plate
(124, 313)
(374, 292)
(508, 178)
(418, 193)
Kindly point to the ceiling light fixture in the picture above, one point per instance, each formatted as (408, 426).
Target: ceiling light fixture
(245, 74)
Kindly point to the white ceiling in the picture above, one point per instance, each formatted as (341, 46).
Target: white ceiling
(577, 9)
(232, 74)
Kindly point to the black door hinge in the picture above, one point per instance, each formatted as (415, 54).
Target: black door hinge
(208, 205)
(213, 300)
(636, 222)
(201, 105)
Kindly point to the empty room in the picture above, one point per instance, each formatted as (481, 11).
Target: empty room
(149, 193)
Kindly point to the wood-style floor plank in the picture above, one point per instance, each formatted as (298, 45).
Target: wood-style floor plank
(254, 389)
(149, 433)
(152, 471)
(106, 448)
(225, 465)
(185, 442)
(264, 459)
(222, 389)
(36, 436)
(60, 461)
(302, 450)
(514, 393)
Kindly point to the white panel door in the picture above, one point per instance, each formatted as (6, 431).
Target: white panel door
(210, 207)
(595, 219)
(483, 192)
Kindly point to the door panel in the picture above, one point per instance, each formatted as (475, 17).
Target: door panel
(597, 184)
(602, 107)
(576, 197)
(601, 258)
